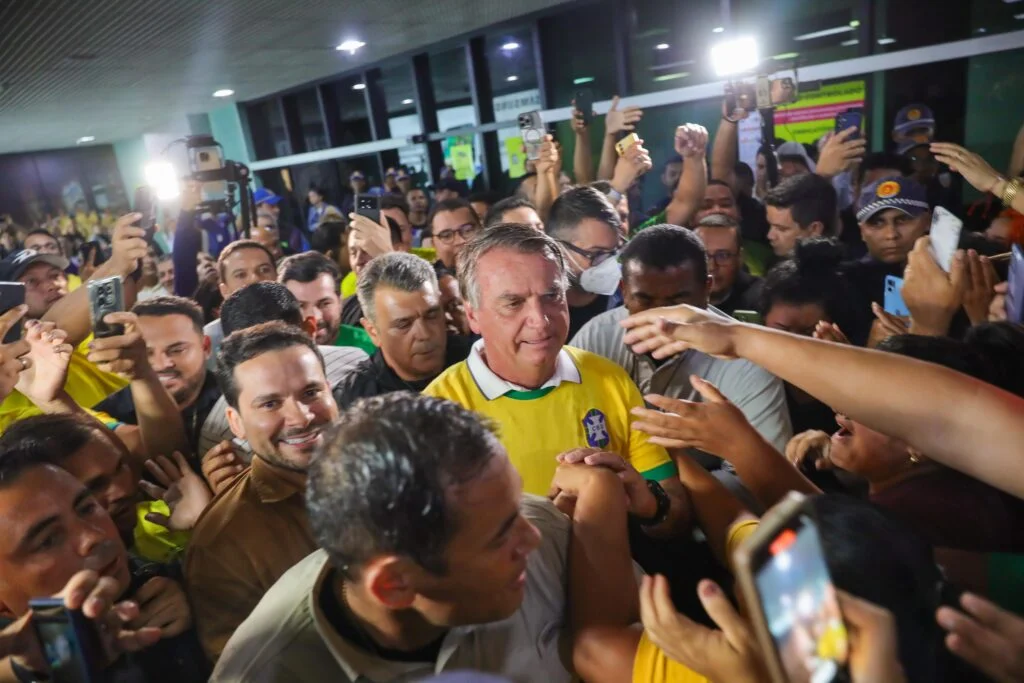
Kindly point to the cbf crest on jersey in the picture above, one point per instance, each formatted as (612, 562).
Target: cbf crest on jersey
(596, 426)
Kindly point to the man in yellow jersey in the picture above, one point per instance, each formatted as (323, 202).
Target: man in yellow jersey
(547, 398)
(44, 242)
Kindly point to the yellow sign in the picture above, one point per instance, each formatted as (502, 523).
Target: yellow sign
(814, 112)
(516, 157)
(462, 161)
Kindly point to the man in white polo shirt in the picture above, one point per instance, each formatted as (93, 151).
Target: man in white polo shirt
(432, 560)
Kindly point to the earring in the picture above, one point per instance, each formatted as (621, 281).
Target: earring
(915, 459)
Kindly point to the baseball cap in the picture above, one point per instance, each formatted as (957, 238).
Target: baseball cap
(391, 171)
(895, 192)
(450, 184)
(265, 196)
(913, 116)
(795, 149)
(15, 265)
(908, 145)
(356, 175)
(403, 175)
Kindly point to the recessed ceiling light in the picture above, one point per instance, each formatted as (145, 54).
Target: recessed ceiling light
(718, 29)
(824, 32)
(982, 30)
(510, 45)
(407, 101)
(224, 92)
(662, 46)
(350, 46)
(849, 43)
(786, 55)
(670, 77)
(582, 80)
(359, 86)
(855, 23)
(512, 79)
(886, 41)
(84, 139)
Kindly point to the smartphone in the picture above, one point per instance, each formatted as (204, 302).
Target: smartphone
(748, 317)
(785, 581)
(584, 103)
(893, 301)
(142, 202)
(945, 237)
(851, 118)
(624, 145)
(531, 129)
(105, 296)
(242, 449)
(368, 205)
(69, 641)
(12, 294)
(1015, 286)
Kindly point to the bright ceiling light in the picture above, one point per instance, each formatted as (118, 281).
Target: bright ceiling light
(1018, 16)
(850, 43)
(786, 55)
(359, 86)
(855, 23)
(670, 77)
(224, 92)
(662, 46)
(161, 177)
(407, 101)
(886, 41)
(350, 46)
(734, 56)
(84, 139)
(718, 29)
(510, 45)
(512, 79)
(825, 32)
(582, 80)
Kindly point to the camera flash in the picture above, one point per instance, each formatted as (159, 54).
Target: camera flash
(734, 56)
(161, 177)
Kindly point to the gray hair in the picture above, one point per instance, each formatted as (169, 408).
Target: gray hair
(399, 270)
(516, 237)
(718, 220)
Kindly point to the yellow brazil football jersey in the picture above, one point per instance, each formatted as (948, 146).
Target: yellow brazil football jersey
(586, 404)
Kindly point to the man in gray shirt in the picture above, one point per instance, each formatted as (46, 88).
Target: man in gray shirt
(664, 266)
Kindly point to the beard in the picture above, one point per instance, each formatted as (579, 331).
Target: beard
(189, 388)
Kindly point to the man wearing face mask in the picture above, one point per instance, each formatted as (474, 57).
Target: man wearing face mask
(588, 228)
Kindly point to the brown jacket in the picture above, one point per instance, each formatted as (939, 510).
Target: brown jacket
(251, 533)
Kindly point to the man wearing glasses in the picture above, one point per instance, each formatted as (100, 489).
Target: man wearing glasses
(452, 223)
(588, 228)
(732, 287)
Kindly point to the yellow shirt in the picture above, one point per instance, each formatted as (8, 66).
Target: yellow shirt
(651, 664)
(585, 404)
(348, 285)
(74, 282)
(86, 384)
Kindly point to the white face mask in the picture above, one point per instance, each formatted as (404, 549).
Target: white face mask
(602, 279)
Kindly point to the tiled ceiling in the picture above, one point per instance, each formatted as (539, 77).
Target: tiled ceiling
(115, 69)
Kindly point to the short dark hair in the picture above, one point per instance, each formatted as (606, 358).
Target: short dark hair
(602, 186)
(877, 160)
(316, 187)
(498, 209)
(394, 201)
(164, 258)
(810, 277)
(394, 229)
(52, 439)
(488, 198)
(665, 246)
(809, 198)
(246, 344)
(715, 181)
(379, 484)
(328, 236)
(239, 245)
(447, 206)
(743, 170)
(306, 267)
(209, 298)
(258, 303)
(1002, 345)
(576, 205)
(161, 306)
(41, 231)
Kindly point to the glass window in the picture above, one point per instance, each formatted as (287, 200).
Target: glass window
(578, 52)
(403, 120)
(514, 86)
(810, 32)
(266, 122)
(903, 24)
(670, 42)
(311, 120)
(455, 110)
(350, 116)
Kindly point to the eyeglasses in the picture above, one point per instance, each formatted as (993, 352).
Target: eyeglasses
(722, 257)
(464, 231)
(595, 256)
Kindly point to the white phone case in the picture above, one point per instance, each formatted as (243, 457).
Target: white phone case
(945, 235)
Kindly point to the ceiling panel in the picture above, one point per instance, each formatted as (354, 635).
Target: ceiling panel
(116, 69)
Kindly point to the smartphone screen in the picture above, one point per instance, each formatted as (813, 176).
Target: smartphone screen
(69, 643)
(799, 603)
(12, 294)
(945, 237)
(1015, 286)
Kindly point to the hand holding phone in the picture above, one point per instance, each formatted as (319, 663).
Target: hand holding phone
(70, 642)
(12, 295)
(851, 118)
(945, 237)
(893, 301)
(105, 296)
(531, 129)
(369, 206)
(1015, 286)
(626, 143)
(583, 102)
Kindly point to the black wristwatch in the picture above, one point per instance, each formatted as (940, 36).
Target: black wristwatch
(661, 513)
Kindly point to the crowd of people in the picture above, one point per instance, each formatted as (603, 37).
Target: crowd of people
(525, 436)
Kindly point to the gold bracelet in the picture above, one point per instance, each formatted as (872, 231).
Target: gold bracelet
(1010, 191)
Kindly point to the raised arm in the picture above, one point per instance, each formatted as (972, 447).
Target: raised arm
(582, 157)
(725, 152)
(958, 421)
(549, 167)
(691, 143)
(615, 122)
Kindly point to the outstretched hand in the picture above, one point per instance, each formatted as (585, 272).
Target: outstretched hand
(184, 491)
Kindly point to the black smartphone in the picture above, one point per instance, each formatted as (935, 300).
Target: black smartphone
(786, 584)
(584, 102)
(851, 118)
(12, 294)
(144, 203)
(69, 641)
(105, 296)
(94, 251)
(369, 206)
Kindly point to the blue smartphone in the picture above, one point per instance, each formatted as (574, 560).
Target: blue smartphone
(893, 301)
(1015, 286)
(851, 118)
(68, 640)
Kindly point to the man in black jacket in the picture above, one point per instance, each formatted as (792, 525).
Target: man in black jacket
(401, 300)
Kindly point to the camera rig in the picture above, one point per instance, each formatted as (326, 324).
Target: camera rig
(220, 178)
